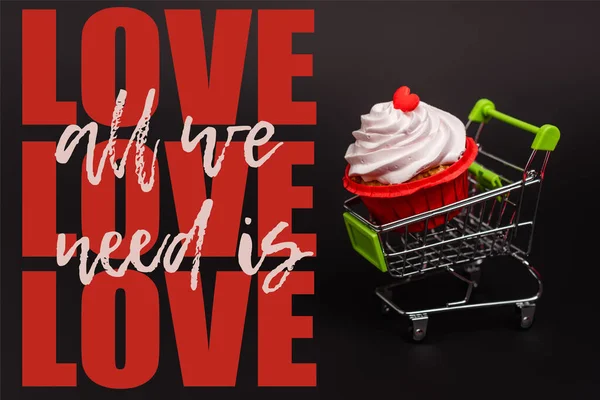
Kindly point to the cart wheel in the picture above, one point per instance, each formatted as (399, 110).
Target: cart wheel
(418, 327)
(417, 334)
(385, 308)
(526, 314)
(474, 272)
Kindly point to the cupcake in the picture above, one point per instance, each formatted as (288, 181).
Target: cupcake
(409, 157)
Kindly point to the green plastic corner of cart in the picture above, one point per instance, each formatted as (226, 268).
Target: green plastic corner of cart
(365, 241)
(486, 178)
(479, 112)
(546, 138)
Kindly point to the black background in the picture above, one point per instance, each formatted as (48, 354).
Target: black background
(535, 60)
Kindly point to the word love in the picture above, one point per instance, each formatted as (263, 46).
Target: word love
(65, 148)
(207, 352)
(211, 99)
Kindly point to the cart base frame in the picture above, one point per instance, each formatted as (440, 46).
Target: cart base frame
(420, 318)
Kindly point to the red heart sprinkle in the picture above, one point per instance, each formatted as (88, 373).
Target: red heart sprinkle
(405, 100)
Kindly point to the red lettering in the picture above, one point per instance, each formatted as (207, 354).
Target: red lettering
(228, 189)
(277, 65)
(39, 72)
(277, 196)
(277, 327)
(98, 202)
(39, 200)
(98, 63)
(204, 364)
(213, 102)
(141, 330)
(39, 333)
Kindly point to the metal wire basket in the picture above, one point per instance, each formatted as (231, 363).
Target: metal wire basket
(488, 224)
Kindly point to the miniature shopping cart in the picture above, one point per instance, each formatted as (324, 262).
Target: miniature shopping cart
(496, 219)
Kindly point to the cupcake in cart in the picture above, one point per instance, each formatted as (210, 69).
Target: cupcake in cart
(428, 198)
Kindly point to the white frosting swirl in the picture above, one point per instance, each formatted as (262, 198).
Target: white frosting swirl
(393, 146)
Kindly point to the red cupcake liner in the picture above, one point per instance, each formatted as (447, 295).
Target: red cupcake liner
(394, 202)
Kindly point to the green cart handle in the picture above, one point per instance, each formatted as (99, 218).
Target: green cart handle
(546, 136)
